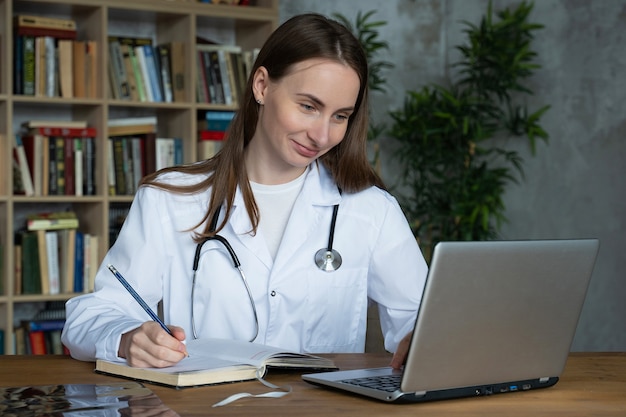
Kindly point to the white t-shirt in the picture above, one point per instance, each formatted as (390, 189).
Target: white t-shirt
(275, 203)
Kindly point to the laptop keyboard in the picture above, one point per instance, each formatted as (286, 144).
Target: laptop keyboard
(388, 383)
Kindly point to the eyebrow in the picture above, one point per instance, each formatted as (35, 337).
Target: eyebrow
(321, 104)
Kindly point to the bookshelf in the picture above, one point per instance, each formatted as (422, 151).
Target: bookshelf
(163, 21)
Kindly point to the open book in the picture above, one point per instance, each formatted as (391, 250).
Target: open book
(215, 361)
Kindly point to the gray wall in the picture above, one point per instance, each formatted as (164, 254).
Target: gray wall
(575, 184)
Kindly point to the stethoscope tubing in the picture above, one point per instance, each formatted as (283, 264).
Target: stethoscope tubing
(327, 259)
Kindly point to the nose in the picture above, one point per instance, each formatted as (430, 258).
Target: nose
(319, 132)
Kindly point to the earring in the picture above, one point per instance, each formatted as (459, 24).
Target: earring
(259, 102)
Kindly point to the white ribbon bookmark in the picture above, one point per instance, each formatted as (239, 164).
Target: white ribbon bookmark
(259, 375)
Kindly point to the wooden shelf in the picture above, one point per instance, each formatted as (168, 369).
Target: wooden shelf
(161, 20)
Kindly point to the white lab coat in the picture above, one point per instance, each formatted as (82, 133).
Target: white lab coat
(299, 307)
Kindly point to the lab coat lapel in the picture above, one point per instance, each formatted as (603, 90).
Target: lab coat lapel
(318, 194)
(240, 223)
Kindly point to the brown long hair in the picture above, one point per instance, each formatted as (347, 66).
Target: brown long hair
(300, 38)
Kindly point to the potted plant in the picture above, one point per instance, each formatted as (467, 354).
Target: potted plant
(454, 165)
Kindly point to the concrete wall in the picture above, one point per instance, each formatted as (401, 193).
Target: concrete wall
(575, 185)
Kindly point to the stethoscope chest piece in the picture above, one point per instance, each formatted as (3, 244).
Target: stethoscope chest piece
(328, 260)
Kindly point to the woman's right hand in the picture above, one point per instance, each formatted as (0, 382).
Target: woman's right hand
(149, 346)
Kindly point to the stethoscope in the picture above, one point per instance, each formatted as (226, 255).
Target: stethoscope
(327, 259)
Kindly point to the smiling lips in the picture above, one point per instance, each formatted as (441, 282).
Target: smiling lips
(304, 151)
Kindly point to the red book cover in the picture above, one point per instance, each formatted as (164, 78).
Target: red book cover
(42, 31)
(211, 135)
(37, 340)
(73, 132)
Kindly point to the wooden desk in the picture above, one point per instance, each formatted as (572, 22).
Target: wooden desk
(593, 384)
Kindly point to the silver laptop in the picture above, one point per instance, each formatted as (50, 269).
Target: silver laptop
(496, 317)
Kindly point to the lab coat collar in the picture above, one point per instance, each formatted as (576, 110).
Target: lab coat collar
(318, 192)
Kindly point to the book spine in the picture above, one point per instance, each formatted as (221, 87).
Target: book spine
(31, 273)
(202, 84)
(128, 165)
(28, 88)
(151, 65)
(64, 131)
(79, 71)
(43, 31)
(52, 167)
(69, 163)
(44, 22)
(130, 74)
(178, 70)
(119, 71)
(42, 250)
(60, 163)
(145, 75)
(79, 262)
(216, 76)
(26, 177)
(18, 64)
(225, 75)
(51, 67)
(54, 274)
(37, 342)
(78, 167)
(166, 76)
(43, 325)
(89, 165)
(91, 69)
(118, 159)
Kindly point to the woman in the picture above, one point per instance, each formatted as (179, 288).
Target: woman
(296, 149)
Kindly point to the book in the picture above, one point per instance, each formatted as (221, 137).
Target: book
(52, 256)
(17, 264)
(29, 261)
(44, 22)
(216, 361)
(66, 67)
(42, 251)
(117, 71)
(164, 59)
(18, 64)
(127, 52)
(37, 342)
(209, 143)
(91, 69)
(177, 55)
(153, 73)
(45, 31)
(25, 175)
(52, 220)
(79, 54)
(28, 65)
(79, 262)
(80, 124)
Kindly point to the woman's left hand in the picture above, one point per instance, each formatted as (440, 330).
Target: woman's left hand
(401, 352)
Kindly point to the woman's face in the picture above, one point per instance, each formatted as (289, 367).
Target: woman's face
(302, 116)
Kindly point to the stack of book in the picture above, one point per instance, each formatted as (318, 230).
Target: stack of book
(53, 257)
(141, 71)
(135, 150)
(56, 158)
(41, 334)
(212, 132)
(50, 61)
